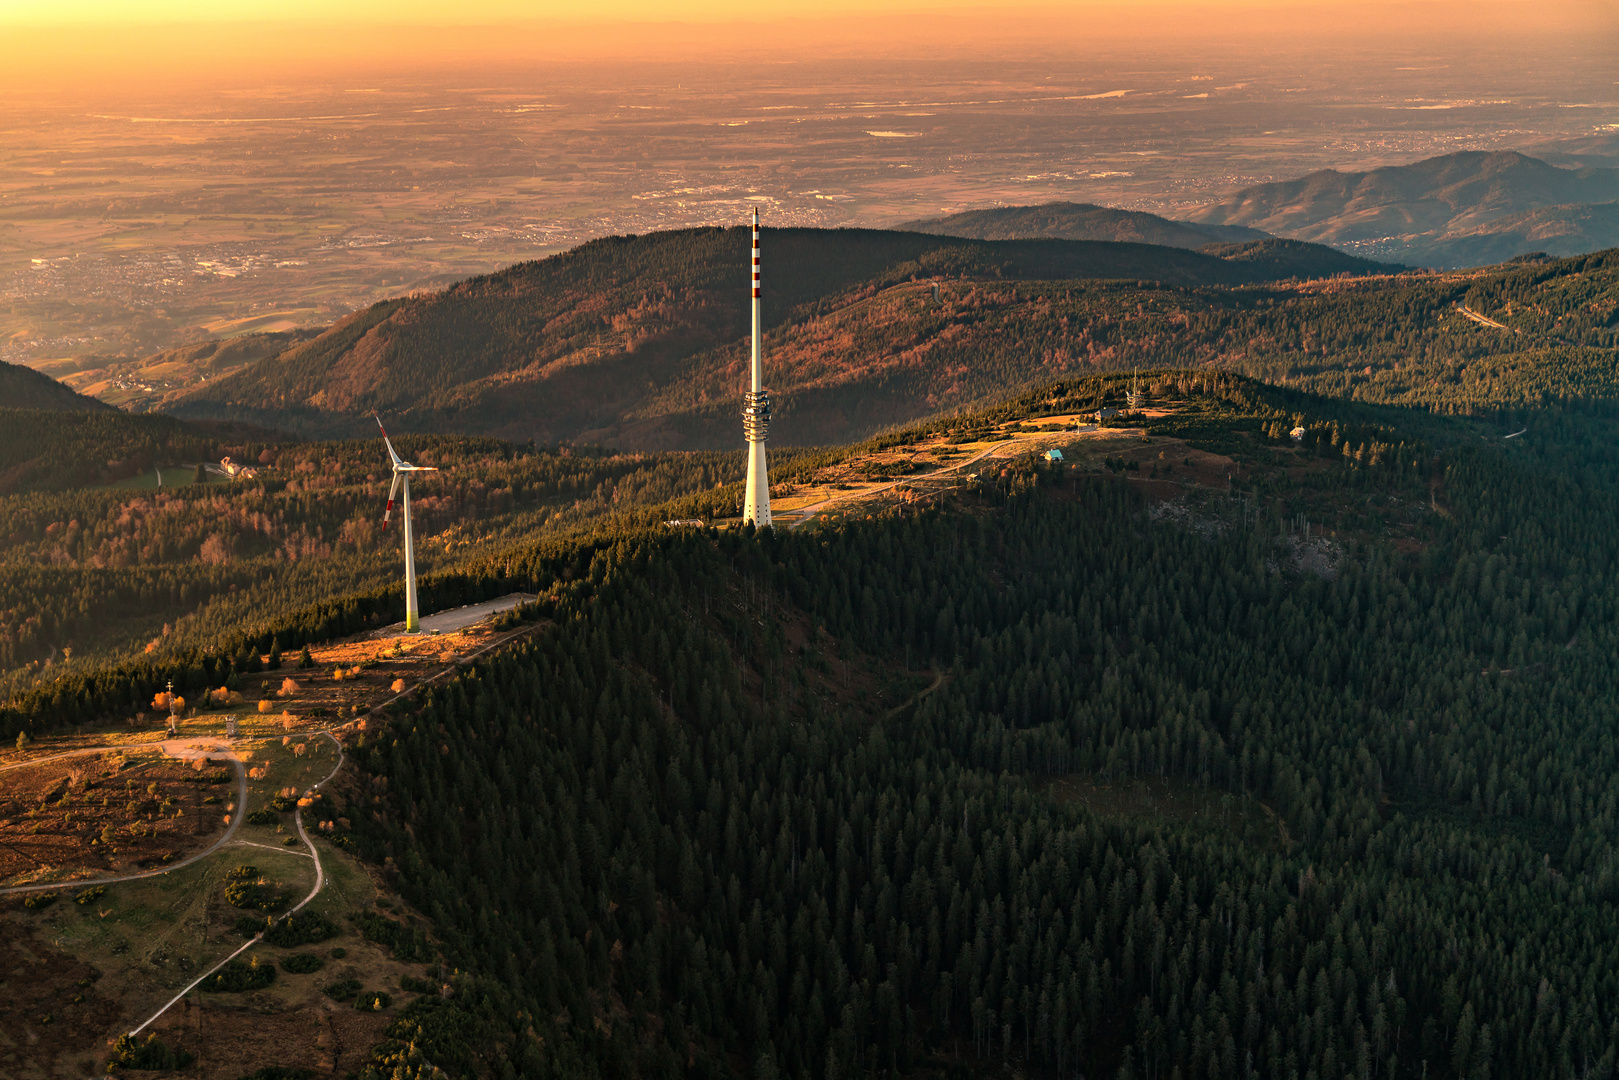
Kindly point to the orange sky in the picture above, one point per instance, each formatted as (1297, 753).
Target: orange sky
(62, 42)
(57, 12)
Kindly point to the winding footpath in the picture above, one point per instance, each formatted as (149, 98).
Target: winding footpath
(320, 883)
(181, 748)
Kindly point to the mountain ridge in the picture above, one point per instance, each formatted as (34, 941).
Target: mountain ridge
(1445, 211)
(1080, 221)
(577, 343)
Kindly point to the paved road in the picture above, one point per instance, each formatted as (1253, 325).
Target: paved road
(445, 622)
(1485, 320)
(180, 748)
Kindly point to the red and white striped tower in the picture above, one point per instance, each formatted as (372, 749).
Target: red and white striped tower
(756, 413)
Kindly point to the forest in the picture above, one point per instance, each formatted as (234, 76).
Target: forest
(791, 804)
(157, 579)
(110, 590)
(1309, 773)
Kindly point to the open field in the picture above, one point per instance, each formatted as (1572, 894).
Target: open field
(56, 813)
(918, 473)
(139, 943)
(108, 812)
(117, 952)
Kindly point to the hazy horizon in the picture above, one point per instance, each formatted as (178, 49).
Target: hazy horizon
(165, 184)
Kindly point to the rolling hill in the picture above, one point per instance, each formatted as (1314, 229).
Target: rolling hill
(1081, 221)
(25, 388)
(1462, 209)
(598, 342)
(143, 383)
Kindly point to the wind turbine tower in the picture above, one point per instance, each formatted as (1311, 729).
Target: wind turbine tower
(756, 413)
(402, 471)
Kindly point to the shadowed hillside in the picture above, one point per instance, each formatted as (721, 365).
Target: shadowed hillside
(41, 450)
(604, 354)
(570, 346)
(25, 388)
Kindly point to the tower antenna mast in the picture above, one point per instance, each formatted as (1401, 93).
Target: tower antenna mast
(756, 413)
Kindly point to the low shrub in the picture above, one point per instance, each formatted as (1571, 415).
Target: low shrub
(39, 900)
(302, 963)
(152, 1054)
(91, 895)
(255, 895)
(237, 977)
(372, 1001)
(264, 815)
(303, 928)
(343, 990)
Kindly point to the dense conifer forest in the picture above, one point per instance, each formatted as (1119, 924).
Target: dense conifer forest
(792, 805)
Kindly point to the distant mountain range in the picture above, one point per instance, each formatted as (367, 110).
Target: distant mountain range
(1465, 209)
(1081, 221)
(637, 341)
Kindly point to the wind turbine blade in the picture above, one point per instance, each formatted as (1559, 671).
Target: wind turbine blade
(385, 441)
(392, 492)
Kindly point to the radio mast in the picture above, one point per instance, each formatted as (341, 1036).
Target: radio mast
(756, 413)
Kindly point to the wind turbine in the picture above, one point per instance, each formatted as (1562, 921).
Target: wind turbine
(402, 471)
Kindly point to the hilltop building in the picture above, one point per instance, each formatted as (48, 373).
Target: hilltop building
(235, 471)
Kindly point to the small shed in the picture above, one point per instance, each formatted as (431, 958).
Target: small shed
(1053, 454)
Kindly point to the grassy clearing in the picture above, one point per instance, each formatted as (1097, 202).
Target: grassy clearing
(1175, 802)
